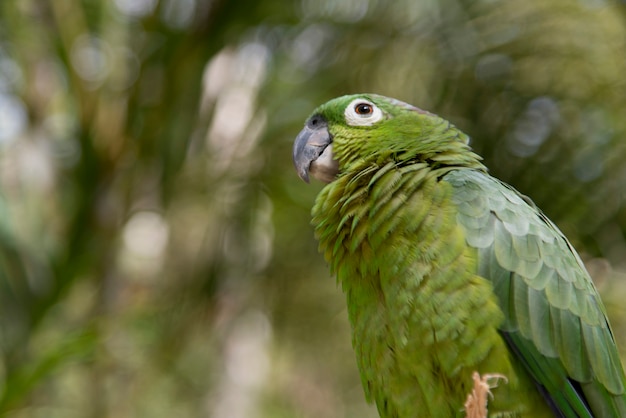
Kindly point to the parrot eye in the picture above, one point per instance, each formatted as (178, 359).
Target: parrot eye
(361, 112)
(363, 109)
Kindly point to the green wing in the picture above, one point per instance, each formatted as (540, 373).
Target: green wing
(555, 321)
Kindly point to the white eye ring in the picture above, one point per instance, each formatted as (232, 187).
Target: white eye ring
(361, 112)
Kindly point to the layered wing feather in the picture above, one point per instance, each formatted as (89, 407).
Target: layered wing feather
(555, 321)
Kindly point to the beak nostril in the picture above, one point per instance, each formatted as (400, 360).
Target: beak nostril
(315, 122)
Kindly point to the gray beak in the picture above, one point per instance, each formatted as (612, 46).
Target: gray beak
(312, 151)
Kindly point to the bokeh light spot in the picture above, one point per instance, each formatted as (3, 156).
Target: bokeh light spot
(13, 118)
(146, 234)
(135, 8)
(90, 58)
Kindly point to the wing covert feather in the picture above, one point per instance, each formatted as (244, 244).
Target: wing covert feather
(548, 299)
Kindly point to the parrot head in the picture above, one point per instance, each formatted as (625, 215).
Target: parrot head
(351, 132)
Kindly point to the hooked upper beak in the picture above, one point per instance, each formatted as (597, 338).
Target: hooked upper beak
(312, 152)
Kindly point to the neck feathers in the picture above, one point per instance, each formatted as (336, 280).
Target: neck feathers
(432, 141)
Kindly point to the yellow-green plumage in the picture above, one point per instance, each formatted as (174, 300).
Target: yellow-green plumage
(447, 271)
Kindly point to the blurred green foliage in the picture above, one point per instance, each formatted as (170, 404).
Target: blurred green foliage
(156, 258)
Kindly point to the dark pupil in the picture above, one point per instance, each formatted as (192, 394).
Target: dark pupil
(363, 109)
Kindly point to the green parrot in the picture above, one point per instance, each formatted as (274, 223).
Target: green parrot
(463, 297)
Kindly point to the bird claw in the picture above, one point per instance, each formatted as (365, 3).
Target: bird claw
(476, 404)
